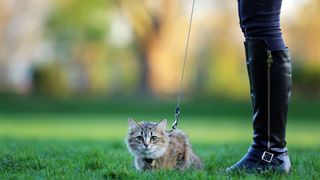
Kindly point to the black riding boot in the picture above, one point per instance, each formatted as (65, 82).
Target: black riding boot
(270, 87)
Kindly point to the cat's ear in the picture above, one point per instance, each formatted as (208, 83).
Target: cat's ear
(162, 124)
(132, 123)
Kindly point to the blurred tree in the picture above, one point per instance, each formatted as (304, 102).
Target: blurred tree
(21, 27)
(91, 62)
(160, 32)
(303, 37)
(154, 31)
(78, 30)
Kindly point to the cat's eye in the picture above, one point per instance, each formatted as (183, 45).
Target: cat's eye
(154, 138)
(139, 138)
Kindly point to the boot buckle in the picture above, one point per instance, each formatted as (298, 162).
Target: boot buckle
(267, 156)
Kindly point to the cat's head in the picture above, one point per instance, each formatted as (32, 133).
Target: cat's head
(147, 139)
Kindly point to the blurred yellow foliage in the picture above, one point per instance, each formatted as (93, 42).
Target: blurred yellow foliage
(127, 47)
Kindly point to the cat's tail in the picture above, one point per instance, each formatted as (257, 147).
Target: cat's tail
(196, 163)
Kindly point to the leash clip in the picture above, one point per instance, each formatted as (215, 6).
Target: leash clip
(176, 115)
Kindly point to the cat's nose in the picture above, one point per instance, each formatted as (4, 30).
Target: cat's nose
(146, 145)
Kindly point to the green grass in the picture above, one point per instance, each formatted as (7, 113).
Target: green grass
(48, 142)
(109, 159)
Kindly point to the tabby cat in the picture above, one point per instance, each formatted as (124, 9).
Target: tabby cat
(155, 148)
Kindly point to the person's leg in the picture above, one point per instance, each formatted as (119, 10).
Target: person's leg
(260, 19)
(269, 70)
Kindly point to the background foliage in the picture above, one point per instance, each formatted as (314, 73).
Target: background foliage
(105, 48)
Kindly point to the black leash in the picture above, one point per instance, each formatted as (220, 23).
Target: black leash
(177, 111)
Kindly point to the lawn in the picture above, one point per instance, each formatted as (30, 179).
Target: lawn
(79, 143)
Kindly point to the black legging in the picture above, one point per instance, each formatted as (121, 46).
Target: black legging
(261, 19)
